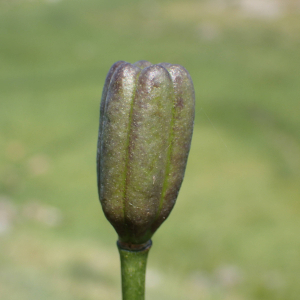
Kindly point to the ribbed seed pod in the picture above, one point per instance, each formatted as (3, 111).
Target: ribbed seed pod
(146, 124)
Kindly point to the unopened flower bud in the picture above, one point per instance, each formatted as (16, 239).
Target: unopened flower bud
(146, 125)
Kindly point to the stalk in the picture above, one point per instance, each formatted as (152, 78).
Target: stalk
(133, 270)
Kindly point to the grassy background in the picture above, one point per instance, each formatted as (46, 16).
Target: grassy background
(235, 231)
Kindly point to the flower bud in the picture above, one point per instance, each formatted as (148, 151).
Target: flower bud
(146, 124)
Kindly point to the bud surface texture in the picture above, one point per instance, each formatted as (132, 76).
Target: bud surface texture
(146, 124)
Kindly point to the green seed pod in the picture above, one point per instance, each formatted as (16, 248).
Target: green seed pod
(146, 124)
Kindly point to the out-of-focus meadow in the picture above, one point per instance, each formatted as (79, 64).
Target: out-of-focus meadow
(234, 233)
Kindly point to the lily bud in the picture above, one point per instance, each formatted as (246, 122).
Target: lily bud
(146, 124)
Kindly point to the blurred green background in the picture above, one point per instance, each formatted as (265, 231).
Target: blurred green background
(234, 233)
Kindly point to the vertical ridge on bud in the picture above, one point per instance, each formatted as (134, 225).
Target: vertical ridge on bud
(182, 129)
(115, 134)
(149, 136)
(128, 156)
(102, 109)
(168, 163)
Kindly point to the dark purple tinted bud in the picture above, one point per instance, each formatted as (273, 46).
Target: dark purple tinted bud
(146, 124)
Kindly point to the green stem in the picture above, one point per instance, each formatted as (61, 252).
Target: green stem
(133, 270)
